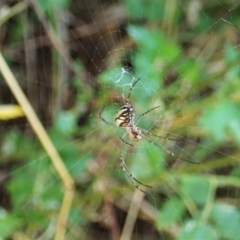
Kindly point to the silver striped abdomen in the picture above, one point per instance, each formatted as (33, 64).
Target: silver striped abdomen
(124, 116)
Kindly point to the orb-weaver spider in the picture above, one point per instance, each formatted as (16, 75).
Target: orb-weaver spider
(124, 118)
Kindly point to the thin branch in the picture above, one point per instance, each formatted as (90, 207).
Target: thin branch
(47, 145)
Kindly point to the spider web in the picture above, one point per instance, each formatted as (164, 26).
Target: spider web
(187, 59)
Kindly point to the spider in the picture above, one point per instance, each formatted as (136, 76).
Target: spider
(124, 118)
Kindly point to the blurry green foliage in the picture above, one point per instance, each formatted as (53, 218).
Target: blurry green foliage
(36, 186)
(211, 99)
(198, 231)
(150, 162)
(153, 10)
(189, 70)
(221, 119)
(171, 212)
(16, 31)
(226, 220)
(8, 224)
(223, 116)
(52, 7)
(195, 187)
(153, 44)
(155, 56)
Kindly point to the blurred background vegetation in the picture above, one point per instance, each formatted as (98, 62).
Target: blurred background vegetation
(71, 58)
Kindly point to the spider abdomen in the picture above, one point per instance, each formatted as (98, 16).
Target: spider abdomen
(124, 116)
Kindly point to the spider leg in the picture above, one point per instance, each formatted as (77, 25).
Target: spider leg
(143, 114)
(103, 119)
(122, 139)
(163, 137)
(130, 176)
(167, 151)
(130, 91)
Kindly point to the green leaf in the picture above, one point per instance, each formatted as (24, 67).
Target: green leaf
(79, 165)
(66, 122)
(222, 118)
(37, 219)
(155, 43)
(152, 78)
(20, 188)
(115, 76)
(148, 161)
(170, 213)
(155, 54)
(189, 70)
(193, 230)
(227, 220)
(195, 187)
(8, 224)
(151, 10)
(51, 7)
(232, 55)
